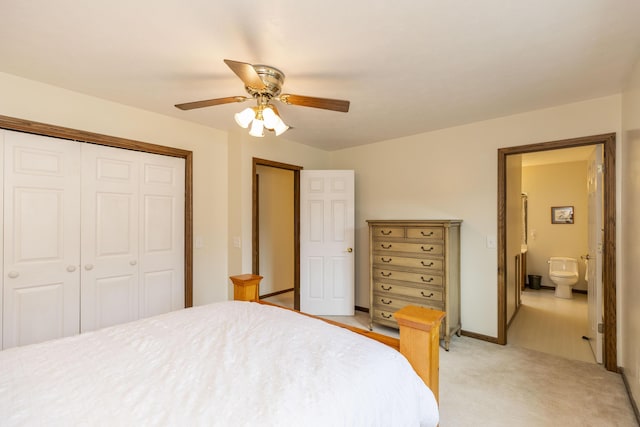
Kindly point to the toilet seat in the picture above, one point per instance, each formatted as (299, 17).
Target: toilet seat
(563, 274)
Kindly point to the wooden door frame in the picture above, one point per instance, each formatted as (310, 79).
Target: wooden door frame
(609, 249)
(255, 240)
(28, 126)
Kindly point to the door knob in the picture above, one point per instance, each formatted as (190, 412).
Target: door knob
(13, 274)
(133, 262)
(88, 267)
(349, 250)
(71, 268)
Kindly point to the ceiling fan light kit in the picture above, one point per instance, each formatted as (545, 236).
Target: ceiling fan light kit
(264, 84)
(261, 117)
(244, 117)
(257, 128)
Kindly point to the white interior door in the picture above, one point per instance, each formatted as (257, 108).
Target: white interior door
(161, 234)
(110, 180)
(594, 258)
(41, 282)
(326, 242)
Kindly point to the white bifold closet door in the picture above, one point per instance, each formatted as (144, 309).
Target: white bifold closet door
(41, 289)
(93, 236)
(132, 235)
(109, 275)
(161, 244)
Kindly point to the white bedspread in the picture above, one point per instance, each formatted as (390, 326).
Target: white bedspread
(225, 364)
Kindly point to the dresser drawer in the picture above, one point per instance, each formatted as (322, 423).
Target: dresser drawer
(398, 261)
(393, 302)
(386, 315)
(425, 233)
(415, 248)
(415, 294)
(388, 232)
(421, 278)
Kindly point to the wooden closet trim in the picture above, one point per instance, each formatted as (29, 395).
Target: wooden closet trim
(28, 126)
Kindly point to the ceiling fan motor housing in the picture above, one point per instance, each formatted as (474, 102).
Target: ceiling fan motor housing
(273, 80)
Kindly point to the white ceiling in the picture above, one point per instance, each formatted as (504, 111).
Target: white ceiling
(406, 66)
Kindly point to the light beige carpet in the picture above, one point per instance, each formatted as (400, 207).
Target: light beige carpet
(484, 384)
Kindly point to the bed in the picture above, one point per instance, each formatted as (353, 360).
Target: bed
(233, 363)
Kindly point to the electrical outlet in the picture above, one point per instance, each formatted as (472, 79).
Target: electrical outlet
(237, 242)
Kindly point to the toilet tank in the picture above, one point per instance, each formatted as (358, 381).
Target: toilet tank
(563, 264)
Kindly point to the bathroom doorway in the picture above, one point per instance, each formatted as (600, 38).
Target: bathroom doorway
(607, 142)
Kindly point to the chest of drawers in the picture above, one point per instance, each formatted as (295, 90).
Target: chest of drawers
(415, 262)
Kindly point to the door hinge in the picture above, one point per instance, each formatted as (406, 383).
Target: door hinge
(600, 168)
(600, 328)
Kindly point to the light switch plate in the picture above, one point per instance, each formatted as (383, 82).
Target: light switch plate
(492, 242)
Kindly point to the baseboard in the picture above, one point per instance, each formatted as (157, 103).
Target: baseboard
(631, 399)
(365, 309)
(481, 337)
(551, 288)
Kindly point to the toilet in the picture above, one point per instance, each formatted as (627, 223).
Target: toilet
(564, 273)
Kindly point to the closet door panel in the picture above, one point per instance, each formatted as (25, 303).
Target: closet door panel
(41, 238)
(110, 180)
(162, 234)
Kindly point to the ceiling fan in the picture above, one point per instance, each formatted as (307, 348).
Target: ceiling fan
(264, 84)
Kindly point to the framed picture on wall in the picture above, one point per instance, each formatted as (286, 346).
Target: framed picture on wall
(562, 215)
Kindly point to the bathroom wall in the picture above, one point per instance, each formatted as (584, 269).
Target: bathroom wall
(558, 184)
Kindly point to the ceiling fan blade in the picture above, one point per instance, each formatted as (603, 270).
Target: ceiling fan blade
(247, 74)
(310, 101)
(211, 102)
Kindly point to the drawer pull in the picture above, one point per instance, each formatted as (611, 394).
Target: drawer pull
(382, 300)
(425, 280)
(426, 250)
(426, 296)
(385, 247)
(426, 265)
(385, 260)
(386, 316)
(385, 275)
(387, 233)
(386, 289)
(429, 234)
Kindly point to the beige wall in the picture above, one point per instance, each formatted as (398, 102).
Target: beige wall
(222, 167)
(276, 229)
(558, 184)
(452, 173)
(26, 99)
(629, 287)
